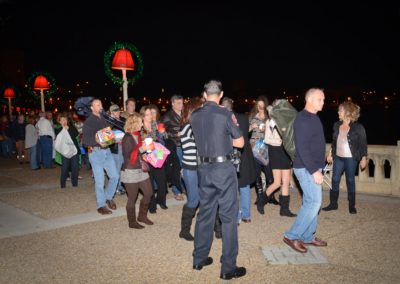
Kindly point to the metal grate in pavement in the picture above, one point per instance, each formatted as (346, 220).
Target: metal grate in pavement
(286, 255)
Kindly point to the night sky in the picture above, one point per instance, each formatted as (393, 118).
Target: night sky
(286, 46)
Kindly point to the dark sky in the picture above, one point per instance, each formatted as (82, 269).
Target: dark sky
(274, 47)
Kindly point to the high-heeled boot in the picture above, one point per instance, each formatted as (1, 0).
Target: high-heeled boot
(131, 214)
(186, 223)
(143, 213)
(261, 202)
(258, 188)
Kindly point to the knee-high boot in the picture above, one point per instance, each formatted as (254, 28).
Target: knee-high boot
(333, 198)
(131, 214)
(143, 213)
(186, 223)
(258, 188)
(352, 202)
(261, 202)
(285, 211)
(153, 204)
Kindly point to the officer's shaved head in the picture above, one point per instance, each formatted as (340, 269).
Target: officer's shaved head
(213, 88)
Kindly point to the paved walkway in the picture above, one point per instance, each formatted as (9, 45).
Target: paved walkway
(49, 235)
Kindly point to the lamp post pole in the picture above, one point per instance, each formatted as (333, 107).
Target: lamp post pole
(9, 107)
(124, 89)
(42, 100)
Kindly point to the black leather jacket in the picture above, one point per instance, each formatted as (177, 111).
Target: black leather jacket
(356, 137)
(172, 123)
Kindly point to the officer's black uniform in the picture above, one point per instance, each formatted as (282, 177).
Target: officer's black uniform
(213, 128)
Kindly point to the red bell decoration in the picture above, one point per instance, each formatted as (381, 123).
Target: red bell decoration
(9, 93)
(41, 83)
(123, 60)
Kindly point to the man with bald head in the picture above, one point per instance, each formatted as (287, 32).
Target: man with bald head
(308, 162)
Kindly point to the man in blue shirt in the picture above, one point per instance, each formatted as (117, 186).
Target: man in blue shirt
(308, 162)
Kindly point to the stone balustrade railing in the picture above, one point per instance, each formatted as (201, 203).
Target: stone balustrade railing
(374, 181)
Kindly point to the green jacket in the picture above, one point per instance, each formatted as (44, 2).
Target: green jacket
(284, 115)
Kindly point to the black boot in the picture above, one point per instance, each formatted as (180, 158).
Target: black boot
(273, 200)
(258, 188)
(285, 211)
(153, 205)
(352, 202)
(218, 227)
(261, 202)
(186, 223)
(333, 197)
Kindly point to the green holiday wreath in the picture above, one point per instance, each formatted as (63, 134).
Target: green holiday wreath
(47, 93)
(108, 56)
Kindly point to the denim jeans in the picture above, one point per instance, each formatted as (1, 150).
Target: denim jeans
(33, 157)
(305, 225)
(119, 160)
(179, 152)
(192, 187)
(46, 151)
(349, 166)
(6, 147)
(101, 159)
(244, 205)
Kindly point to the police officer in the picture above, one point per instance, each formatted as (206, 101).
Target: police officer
(216, 133)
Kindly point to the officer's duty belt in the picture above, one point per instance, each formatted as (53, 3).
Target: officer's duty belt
(218, 159)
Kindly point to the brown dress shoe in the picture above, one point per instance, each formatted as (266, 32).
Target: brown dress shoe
(104, 210)
(111, 204)
(297, 245)
(317, 242)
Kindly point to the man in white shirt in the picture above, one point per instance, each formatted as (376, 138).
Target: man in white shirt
(46, 138)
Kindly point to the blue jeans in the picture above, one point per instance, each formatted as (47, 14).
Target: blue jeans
(179, 153)
(119, 160)
(33, 157)
(244, 205)
(349, 166)
(46, 151)
(192, 187)
(6, 147)
(101, 159)
(305, 225)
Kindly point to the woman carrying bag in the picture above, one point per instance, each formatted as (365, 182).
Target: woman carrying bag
(67, 145)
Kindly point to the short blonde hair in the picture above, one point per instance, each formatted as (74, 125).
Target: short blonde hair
(132, 123)
(312, 91)
(351, 110)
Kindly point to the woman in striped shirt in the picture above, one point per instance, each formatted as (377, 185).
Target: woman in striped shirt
(189, 168)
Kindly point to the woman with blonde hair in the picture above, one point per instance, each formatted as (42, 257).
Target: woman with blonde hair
(132, 175)
(349, 147)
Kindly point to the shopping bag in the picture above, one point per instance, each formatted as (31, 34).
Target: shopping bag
(64, 144)
(158, 156)
(260, 152)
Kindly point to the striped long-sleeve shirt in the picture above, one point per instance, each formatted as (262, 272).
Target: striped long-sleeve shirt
(189, 149)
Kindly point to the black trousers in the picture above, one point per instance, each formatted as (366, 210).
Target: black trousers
(160, 177)
(218, 189)
(69, 165)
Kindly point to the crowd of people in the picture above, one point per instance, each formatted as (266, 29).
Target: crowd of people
(211, 162)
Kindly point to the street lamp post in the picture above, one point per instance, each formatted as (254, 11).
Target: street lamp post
(41, 84)
(123, 61)
(9, 94)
